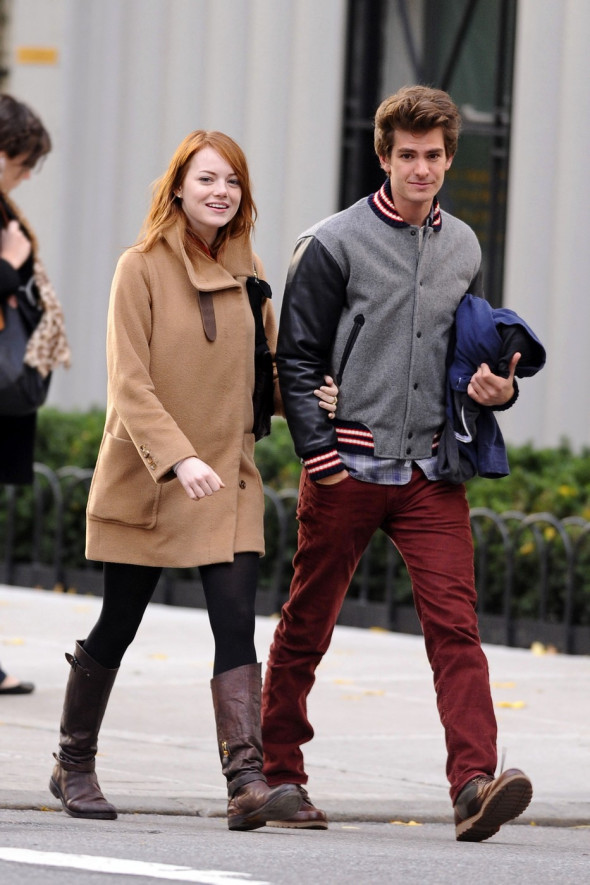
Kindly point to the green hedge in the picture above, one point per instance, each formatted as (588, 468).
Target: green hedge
(555, 481)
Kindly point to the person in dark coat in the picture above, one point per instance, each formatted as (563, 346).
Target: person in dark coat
(24, 286)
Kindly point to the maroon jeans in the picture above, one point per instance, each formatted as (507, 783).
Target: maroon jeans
(429, 524)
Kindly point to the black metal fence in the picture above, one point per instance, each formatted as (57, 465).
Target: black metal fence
(532, 571)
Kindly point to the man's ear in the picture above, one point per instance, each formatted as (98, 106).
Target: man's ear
(448, 162)
(385, 164)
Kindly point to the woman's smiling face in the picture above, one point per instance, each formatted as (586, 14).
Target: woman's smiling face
(210, 193)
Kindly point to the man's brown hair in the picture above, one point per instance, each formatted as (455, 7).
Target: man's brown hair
(417, 109)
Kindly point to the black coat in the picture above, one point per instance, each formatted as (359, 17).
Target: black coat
(17, 433)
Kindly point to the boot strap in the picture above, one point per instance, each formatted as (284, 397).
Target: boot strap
(67, 765)
(243, 779)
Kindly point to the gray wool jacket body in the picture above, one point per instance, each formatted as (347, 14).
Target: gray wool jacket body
(403, 285)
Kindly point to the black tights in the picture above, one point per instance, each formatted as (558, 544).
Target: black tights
(230, 593)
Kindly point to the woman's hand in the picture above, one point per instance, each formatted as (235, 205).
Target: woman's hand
(328, 396)
(14, 245)
(197, 478)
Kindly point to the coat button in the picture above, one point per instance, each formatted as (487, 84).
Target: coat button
(242, 484)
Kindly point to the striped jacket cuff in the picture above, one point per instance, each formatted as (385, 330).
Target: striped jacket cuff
(323, 464)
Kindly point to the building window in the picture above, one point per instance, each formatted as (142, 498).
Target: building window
(465, 47)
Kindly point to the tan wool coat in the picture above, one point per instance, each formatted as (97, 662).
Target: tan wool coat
(172, 393)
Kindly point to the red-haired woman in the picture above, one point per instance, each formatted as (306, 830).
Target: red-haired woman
(175, 483)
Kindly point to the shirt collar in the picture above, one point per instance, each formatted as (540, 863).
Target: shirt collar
(381, 202)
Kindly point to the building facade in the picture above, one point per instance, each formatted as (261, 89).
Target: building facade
(120, 82)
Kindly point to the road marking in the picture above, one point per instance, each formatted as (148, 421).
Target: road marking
(127, 867)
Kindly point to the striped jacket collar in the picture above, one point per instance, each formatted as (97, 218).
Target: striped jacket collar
(381, 202)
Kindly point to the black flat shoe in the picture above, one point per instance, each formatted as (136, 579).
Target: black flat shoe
(19, 688)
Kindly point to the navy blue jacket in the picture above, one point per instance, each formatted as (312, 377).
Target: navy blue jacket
(471, 441)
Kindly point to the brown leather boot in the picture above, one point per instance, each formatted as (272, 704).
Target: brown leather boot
(74, 780)
(251, 802)
(307, 818)
(485, 803)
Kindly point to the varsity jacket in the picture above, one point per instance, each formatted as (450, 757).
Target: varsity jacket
(370, 300)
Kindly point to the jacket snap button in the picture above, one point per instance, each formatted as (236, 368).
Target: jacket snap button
(242, 484)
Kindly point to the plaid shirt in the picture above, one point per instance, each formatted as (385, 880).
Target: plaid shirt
(386, 471)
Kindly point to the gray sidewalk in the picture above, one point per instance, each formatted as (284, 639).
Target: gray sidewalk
(378, 753)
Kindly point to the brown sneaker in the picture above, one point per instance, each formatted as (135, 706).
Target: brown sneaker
(307, 818)
(485, 803)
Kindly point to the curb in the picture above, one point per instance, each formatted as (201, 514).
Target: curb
(541, 814)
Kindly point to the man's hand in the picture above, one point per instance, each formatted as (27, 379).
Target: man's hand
(333, 479)
(197, 478)
(492, 390)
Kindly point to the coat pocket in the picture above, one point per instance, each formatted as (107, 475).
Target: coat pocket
(359, 322)
(122, 490)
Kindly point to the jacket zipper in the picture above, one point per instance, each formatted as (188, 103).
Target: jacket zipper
(359, 322)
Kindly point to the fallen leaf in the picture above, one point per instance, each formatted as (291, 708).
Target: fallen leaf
(512, 705)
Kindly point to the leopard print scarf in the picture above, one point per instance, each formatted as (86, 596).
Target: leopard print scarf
(48, 345)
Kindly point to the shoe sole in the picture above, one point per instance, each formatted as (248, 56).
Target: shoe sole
(285, 805)
(506, 804)
(99, 815)
(299, 825)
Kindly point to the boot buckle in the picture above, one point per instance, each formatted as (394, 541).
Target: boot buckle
(76, 665)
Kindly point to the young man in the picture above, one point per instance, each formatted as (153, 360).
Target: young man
(370, 299)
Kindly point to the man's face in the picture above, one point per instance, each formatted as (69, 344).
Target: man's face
(416, 169)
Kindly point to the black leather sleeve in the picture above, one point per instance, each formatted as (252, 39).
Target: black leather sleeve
(312, 304)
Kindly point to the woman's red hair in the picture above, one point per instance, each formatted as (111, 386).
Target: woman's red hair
(166, 208)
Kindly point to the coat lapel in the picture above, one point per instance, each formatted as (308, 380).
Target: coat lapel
(207, 275)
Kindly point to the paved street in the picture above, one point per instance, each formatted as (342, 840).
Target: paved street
(55, 849)
(376, 764)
